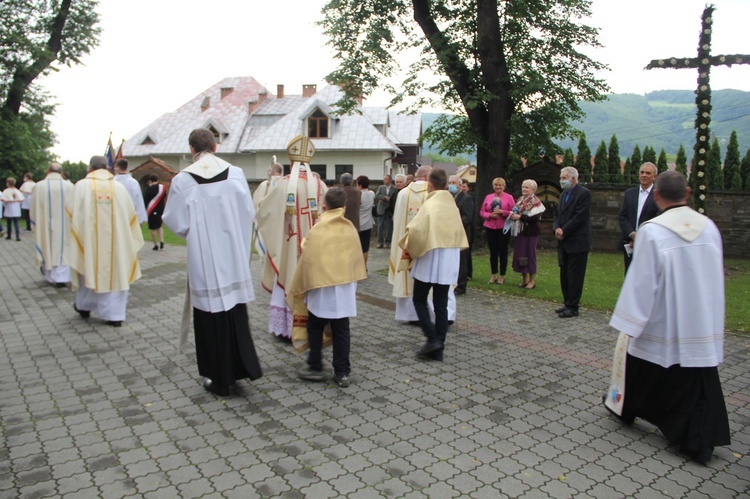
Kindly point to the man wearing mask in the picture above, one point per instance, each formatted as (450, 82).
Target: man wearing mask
(465, 204)
(572, 228)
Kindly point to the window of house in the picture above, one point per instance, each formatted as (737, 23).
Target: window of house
(341, 169)
(218, 136)
(317, 125)
(148, 141)
(320, 170)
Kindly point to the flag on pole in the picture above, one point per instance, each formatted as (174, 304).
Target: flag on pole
(109, 153)
(119, 151)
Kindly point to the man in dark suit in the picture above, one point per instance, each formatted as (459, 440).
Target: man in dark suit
(572, 227)
(465, 204)
(637, 207)
(382, 201)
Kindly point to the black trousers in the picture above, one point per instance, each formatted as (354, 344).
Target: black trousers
(463, 270)
(438, 331)
(497, 242)
(572, 274)
(224, 347)
(341, 343)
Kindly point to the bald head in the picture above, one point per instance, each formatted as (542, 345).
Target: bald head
(54, 168)
(422, 172)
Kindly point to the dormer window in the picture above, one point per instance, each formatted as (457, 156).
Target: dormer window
(148, 141)
(317, 125)
(206, 103)
(218, 136)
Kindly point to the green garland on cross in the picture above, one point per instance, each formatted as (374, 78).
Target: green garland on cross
(703, 63)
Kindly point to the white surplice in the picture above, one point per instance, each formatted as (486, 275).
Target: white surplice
(672, 300)
(333, 302)
(134, 189)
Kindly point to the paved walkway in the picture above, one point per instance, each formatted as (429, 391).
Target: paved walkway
(87, 410)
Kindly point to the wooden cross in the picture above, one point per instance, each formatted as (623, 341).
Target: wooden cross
(703, 63)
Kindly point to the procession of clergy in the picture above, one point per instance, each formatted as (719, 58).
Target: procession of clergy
(89, 235)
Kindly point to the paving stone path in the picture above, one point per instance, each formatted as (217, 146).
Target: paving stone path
(87, 410)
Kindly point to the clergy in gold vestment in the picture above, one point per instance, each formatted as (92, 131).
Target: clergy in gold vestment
(324, 289)
(104, 242)
(286, 215)
(51, 226)
(432, 241)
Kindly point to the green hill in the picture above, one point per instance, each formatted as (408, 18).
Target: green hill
(660, 119)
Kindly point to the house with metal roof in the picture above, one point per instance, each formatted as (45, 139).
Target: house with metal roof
(252, 126)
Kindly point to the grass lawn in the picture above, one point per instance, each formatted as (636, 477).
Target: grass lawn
(169, 236)
(604, 276)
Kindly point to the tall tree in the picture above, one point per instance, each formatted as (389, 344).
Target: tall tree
(614, 167)
(636, 160)
(500, 66)
(681, 161)
(583, 160)
(732, 162)
(649, 155)
(601, 164)
(714, 175)
(628, 166)
(745, 171)
(36, 34)
(569, 158)
(661, 163)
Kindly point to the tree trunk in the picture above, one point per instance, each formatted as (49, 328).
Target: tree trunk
(25, 75)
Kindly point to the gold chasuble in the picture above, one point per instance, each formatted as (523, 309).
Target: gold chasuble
(437, 225)
(105, 234)
(51, 225)
(408, 203)
(331, 255)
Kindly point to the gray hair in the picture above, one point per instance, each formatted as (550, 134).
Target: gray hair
(454, 177)
(346, 179)
(97, 163)
(531, 184)
(422, 171)
(572, 172)
(401, 176)
(671, 186)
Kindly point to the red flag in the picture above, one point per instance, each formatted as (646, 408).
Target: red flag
(119, 151)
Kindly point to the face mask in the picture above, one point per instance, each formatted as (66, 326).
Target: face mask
(453, 189)
(565, 184)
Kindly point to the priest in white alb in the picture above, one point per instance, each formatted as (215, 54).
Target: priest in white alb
(408, 202)
(670, 314)
(286, 215)
(105, 237)
(275, 173)
(134, 188)
(210, 205)
(51, 225)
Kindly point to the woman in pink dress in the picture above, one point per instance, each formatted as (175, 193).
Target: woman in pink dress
(495, 210)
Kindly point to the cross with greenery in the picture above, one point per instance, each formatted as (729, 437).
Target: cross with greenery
(703, 63)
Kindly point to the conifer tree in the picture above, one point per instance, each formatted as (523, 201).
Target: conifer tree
(681, 162)
(715, 177)
(745, 171)
(661, 163)
(583, 160)
(628, 167)
(636, 160)
(649, 155)
(613, 158)
(601, 164)
(569, 158)
(732, 162)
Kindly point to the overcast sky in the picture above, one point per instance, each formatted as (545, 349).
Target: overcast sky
(155, 55)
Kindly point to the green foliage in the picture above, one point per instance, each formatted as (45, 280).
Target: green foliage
(681, 162)
(569, 158)
(732, 164)
(636, 160)
(661, 163)
(649, 155)
(714, 175)
(614, 167)
(627, 168)
(515, 165)
(74, 171)
(583, 160)
(745, 171)
(24, 143)
(601, 164)
(500, 66)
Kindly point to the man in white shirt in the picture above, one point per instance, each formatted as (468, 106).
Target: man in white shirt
(638, 206)
(133, 187)
(671, 309)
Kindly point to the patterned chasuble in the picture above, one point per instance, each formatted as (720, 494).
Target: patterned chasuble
(408, 202)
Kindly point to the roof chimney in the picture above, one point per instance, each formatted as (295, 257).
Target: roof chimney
(262, 96)
(252, 106)
(309, 90)
(279, 91)
(226, 91)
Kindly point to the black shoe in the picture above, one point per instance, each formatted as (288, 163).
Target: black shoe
(310, 374)
(155, 248)
(83, 313)
(450, 323)
(429, 348)
(414, 323)
(161, 245)
(18, 239)
(436, 355)
(459, 292)
(60, 284)
(341, 380)
(568, 312)
(222, 391)
(114, 323)
(561, 309)
(8, 238)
